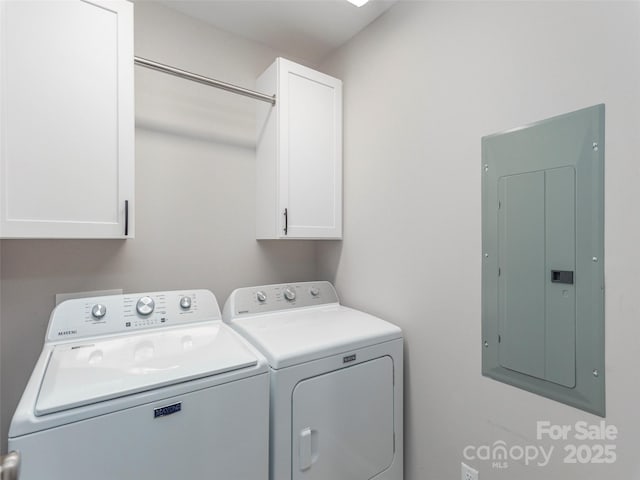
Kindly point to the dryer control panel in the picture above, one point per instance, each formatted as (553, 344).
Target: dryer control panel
(112, 314)
(284, 296)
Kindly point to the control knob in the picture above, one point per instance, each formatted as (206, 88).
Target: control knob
(98, 311)
(314, 291)
(290, 294)
(261, 296)
(185, 303)
(145, 306)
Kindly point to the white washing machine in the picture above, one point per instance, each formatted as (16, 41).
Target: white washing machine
(148, 386)
(336, 382)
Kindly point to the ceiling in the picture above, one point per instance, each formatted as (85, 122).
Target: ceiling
(302, 29)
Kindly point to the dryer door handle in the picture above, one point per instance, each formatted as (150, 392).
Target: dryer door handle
(307, 448)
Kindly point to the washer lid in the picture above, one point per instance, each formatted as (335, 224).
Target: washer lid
(83, 373)
(291, 337)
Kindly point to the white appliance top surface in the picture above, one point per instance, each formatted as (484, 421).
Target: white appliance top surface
(97, 369)
(295, 336)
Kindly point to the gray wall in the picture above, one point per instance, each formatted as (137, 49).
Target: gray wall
(422, 86)
(194, 198)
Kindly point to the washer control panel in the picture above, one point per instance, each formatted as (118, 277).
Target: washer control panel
(93, 316)
(269, 298)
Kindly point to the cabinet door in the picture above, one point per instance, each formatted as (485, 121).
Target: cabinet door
(310, 144)
(66, 130)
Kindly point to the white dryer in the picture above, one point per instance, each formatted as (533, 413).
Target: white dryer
(149, 386)
(336, 382)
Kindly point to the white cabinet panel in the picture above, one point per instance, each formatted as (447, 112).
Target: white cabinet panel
(299, 154)
(66, 138)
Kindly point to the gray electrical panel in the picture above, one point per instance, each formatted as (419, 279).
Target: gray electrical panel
(543, 258)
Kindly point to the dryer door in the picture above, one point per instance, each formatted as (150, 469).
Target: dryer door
(343, 423)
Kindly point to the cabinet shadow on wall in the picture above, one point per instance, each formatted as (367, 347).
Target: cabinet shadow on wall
(328, 255)
(22, 258)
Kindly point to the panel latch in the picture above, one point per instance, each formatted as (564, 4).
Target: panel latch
(562, 276)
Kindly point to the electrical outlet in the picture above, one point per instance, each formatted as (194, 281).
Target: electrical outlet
(469, 473)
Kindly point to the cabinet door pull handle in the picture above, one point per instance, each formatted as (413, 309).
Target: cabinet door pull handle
(286, 221)
(126, 218)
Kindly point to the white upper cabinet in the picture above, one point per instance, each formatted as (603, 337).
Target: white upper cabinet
(67, 119)
(299, 154)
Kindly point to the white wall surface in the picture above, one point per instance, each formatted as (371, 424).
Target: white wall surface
(195, 220)
(422, 85)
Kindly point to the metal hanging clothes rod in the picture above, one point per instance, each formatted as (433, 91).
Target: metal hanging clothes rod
(204, 80)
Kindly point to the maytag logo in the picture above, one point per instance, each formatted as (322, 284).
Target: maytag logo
(349, 358)
(168, 410)
(67, 332)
